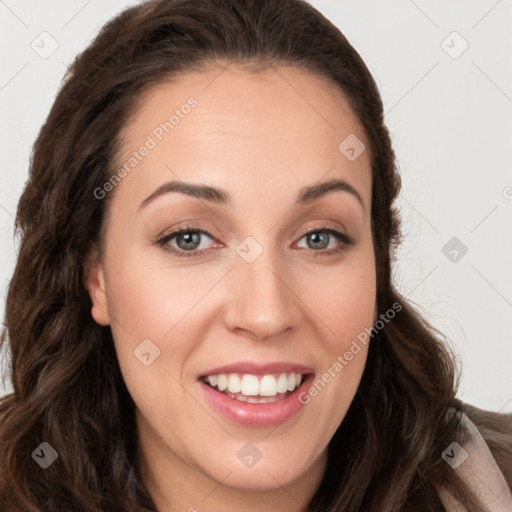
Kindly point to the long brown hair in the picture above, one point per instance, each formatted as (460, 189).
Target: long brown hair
(68, 388)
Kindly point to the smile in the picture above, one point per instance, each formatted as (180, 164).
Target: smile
(255, 389)
(255, 395)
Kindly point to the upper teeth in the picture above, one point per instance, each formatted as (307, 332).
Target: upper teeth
(253, 385)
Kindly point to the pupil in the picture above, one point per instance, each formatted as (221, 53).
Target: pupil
(321, 239)
(190, 238)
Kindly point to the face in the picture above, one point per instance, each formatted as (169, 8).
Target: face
(269, 280)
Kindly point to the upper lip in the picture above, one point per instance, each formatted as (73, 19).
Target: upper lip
(259, 368)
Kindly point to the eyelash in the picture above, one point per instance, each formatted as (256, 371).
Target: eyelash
(346, 241)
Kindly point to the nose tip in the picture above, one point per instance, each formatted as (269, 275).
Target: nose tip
(262, 304)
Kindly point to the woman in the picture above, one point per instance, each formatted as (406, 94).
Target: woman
(202, 315)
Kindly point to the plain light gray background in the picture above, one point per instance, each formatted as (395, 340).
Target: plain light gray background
(448, 107)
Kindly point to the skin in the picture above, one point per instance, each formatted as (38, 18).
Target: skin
(261, 137)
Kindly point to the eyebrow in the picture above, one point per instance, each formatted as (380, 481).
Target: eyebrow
(216, 195)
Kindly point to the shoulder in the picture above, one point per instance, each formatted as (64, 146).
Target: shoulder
(496, 430)
(483, 459)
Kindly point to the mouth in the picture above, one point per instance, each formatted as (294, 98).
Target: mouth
(256, 389)
(256, 395)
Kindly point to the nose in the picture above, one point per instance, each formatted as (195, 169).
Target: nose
(263, 303)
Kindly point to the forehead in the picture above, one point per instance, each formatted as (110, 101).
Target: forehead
(280, 127)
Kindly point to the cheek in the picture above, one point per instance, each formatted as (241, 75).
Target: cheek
(151, 305)
(344, 300)
(344, 304)
(151, 302)
(150, 299)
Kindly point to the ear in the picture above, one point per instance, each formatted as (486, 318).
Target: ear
(96, 286)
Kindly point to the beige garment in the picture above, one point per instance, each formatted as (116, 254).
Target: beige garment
(475, 463)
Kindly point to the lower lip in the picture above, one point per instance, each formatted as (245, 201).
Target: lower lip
(256, 415)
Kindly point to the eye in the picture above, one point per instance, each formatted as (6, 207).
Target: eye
(187, 241)
(323, 240)
(318, 239)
